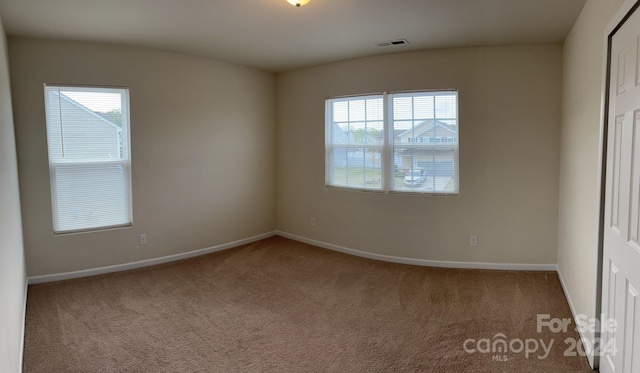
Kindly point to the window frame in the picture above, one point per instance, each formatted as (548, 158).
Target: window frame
(329, 146)
(388, 164)
(56, 166)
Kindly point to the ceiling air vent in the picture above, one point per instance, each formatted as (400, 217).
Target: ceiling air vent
(392, 42)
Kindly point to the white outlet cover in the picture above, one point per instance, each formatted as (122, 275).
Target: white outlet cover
(473, 241)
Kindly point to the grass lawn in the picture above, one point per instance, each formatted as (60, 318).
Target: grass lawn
(359, 177)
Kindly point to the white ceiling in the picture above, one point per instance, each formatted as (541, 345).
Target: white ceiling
(276, 36)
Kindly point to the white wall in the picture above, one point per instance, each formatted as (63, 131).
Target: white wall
(509, 154)
(12, 267)
(579, 159)
(203, 151)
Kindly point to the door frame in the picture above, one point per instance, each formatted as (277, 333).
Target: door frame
(623, 13)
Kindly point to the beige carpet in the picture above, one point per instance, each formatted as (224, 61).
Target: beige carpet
(281, 306)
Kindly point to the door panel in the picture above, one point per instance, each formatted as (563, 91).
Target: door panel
(620, 347)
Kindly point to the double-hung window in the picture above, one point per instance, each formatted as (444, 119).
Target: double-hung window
(393, 142)
(89, 157)
(355, 141)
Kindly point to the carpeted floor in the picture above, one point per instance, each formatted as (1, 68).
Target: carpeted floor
(282, 306)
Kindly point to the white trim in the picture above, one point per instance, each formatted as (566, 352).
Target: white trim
(364, 254)
(146, 262)
(24, 323)
(585, 341)
(622, 12)
(422, 262)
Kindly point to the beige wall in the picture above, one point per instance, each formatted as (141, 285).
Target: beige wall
(203, 151)
(579, 159)
(509, 154)
(12, 267)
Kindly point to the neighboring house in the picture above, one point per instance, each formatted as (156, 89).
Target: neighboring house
(430, 131)
(438, 157)
(338, 134)
(104, 142)
(339, 156)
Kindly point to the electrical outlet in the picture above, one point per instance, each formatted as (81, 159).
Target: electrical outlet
(312, 222)
(473, 241)
(143, 239)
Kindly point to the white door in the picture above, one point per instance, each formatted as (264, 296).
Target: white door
(621, 262)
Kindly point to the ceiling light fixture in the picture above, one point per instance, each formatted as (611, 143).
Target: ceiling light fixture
(298, 3)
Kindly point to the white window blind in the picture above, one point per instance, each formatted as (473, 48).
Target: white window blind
(397, 142)
(89, 157)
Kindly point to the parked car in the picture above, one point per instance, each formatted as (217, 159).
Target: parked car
(415, 177)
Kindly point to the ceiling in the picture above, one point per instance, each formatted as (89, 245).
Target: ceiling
(275, 36)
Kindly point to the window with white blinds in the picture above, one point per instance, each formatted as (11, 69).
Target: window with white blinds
(89, 157)
(394, 142)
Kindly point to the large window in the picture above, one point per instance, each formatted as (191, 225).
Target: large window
(397, 142)
(89, 157)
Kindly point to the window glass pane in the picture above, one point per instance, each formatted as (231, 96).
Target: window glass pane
(408, 176)
(446, 106)
(375, 109)
(354, 147)
(356, 110)
(341, 111)
(440, 171)
(356, 167)
(403, 132)
(339, 133)
(338, 164)
(373, 168)
(425, 148)
(85, 125)
(357, 133)
(423, 106)
(402, 108)
(375, 133)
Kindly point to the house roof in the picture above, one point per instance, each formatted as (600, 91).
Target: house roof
(86, 109)
(426, 126)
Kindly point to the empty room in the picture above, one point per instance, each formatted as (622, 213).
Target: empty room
(319, 186)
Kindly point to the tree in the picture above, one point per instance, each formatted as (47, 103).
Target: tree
(360, 134)
(114, 116)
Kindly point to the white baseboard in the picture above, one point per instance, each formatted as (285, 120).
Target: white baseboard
(422, 262)
(24, 324)
(585, 342)
(146, 262)
(364, 254)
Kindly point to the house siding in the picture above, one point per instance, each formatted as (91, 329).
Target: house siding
(105, 136)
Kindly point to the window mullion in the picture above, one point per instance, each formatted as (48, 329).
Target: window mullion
(364, 150)
(387, 156)
(328, 144)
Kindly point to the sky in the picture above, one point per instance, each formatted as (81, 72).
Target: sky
(97, 101)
